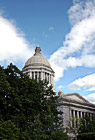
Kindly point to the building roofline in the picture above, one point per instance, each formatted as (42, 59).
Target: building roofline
(77, 94)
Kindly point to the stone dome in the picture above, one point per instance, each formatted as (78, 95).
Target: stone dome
(37, 67)
(37, 59)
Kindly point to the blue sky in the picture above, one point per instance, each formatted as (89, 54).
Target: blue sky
(65, 31)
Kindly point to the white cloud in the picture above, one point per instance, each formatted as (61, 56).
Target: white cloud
(86, 82)
(91, 89)
(60, 87)
(58, 70)
(51, 28)
(93, 102)
(13, 45)
(90, 97)
(81, 10)
(78, 48)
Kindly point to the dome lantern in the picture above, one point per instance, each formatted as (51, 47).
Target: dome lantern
(37, 51)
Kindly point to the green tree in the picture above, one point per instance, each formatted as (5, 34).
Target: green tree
(87, 128)
(87, 124)
(30, 106)
(9, 131)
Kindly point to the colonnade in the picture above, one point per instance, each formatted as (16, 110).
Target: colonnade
(76, 115)
(41, 75)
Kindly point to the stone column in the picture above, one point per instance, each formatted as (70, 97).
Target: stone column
(34, 75)
(70, 117)
(37, 76)
(46, 76)
(81, 114)
(78, 114)
(74, 113)
(52, 80)
(77, 118)
(30, 74)
(41, 75)
(49, 79)
(70, 113)
(84, 114)
(74, 118)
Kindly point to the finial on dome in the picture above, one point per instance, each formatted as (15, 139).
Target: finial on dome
(37, 50)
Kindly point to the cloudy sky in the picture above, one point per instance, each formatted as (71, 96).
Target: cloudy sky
(65, 31)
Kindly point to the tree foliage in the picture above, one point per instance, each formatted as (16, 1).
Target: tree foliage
(87, 124)
(87, 128)
(28, 107)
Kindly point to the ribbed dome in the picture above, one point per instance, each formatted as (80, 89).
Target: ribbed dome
(37, 59)
(37, 67)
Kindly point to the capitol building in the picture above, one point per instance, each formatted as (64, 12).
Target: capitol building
(38, 67)
(72, 105)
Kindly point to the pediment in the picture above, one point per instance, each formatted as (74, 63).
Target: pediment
(76, 97)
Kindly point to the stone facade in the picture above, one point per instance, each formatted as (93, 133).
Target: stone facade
(38, 67)
(72, 105)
